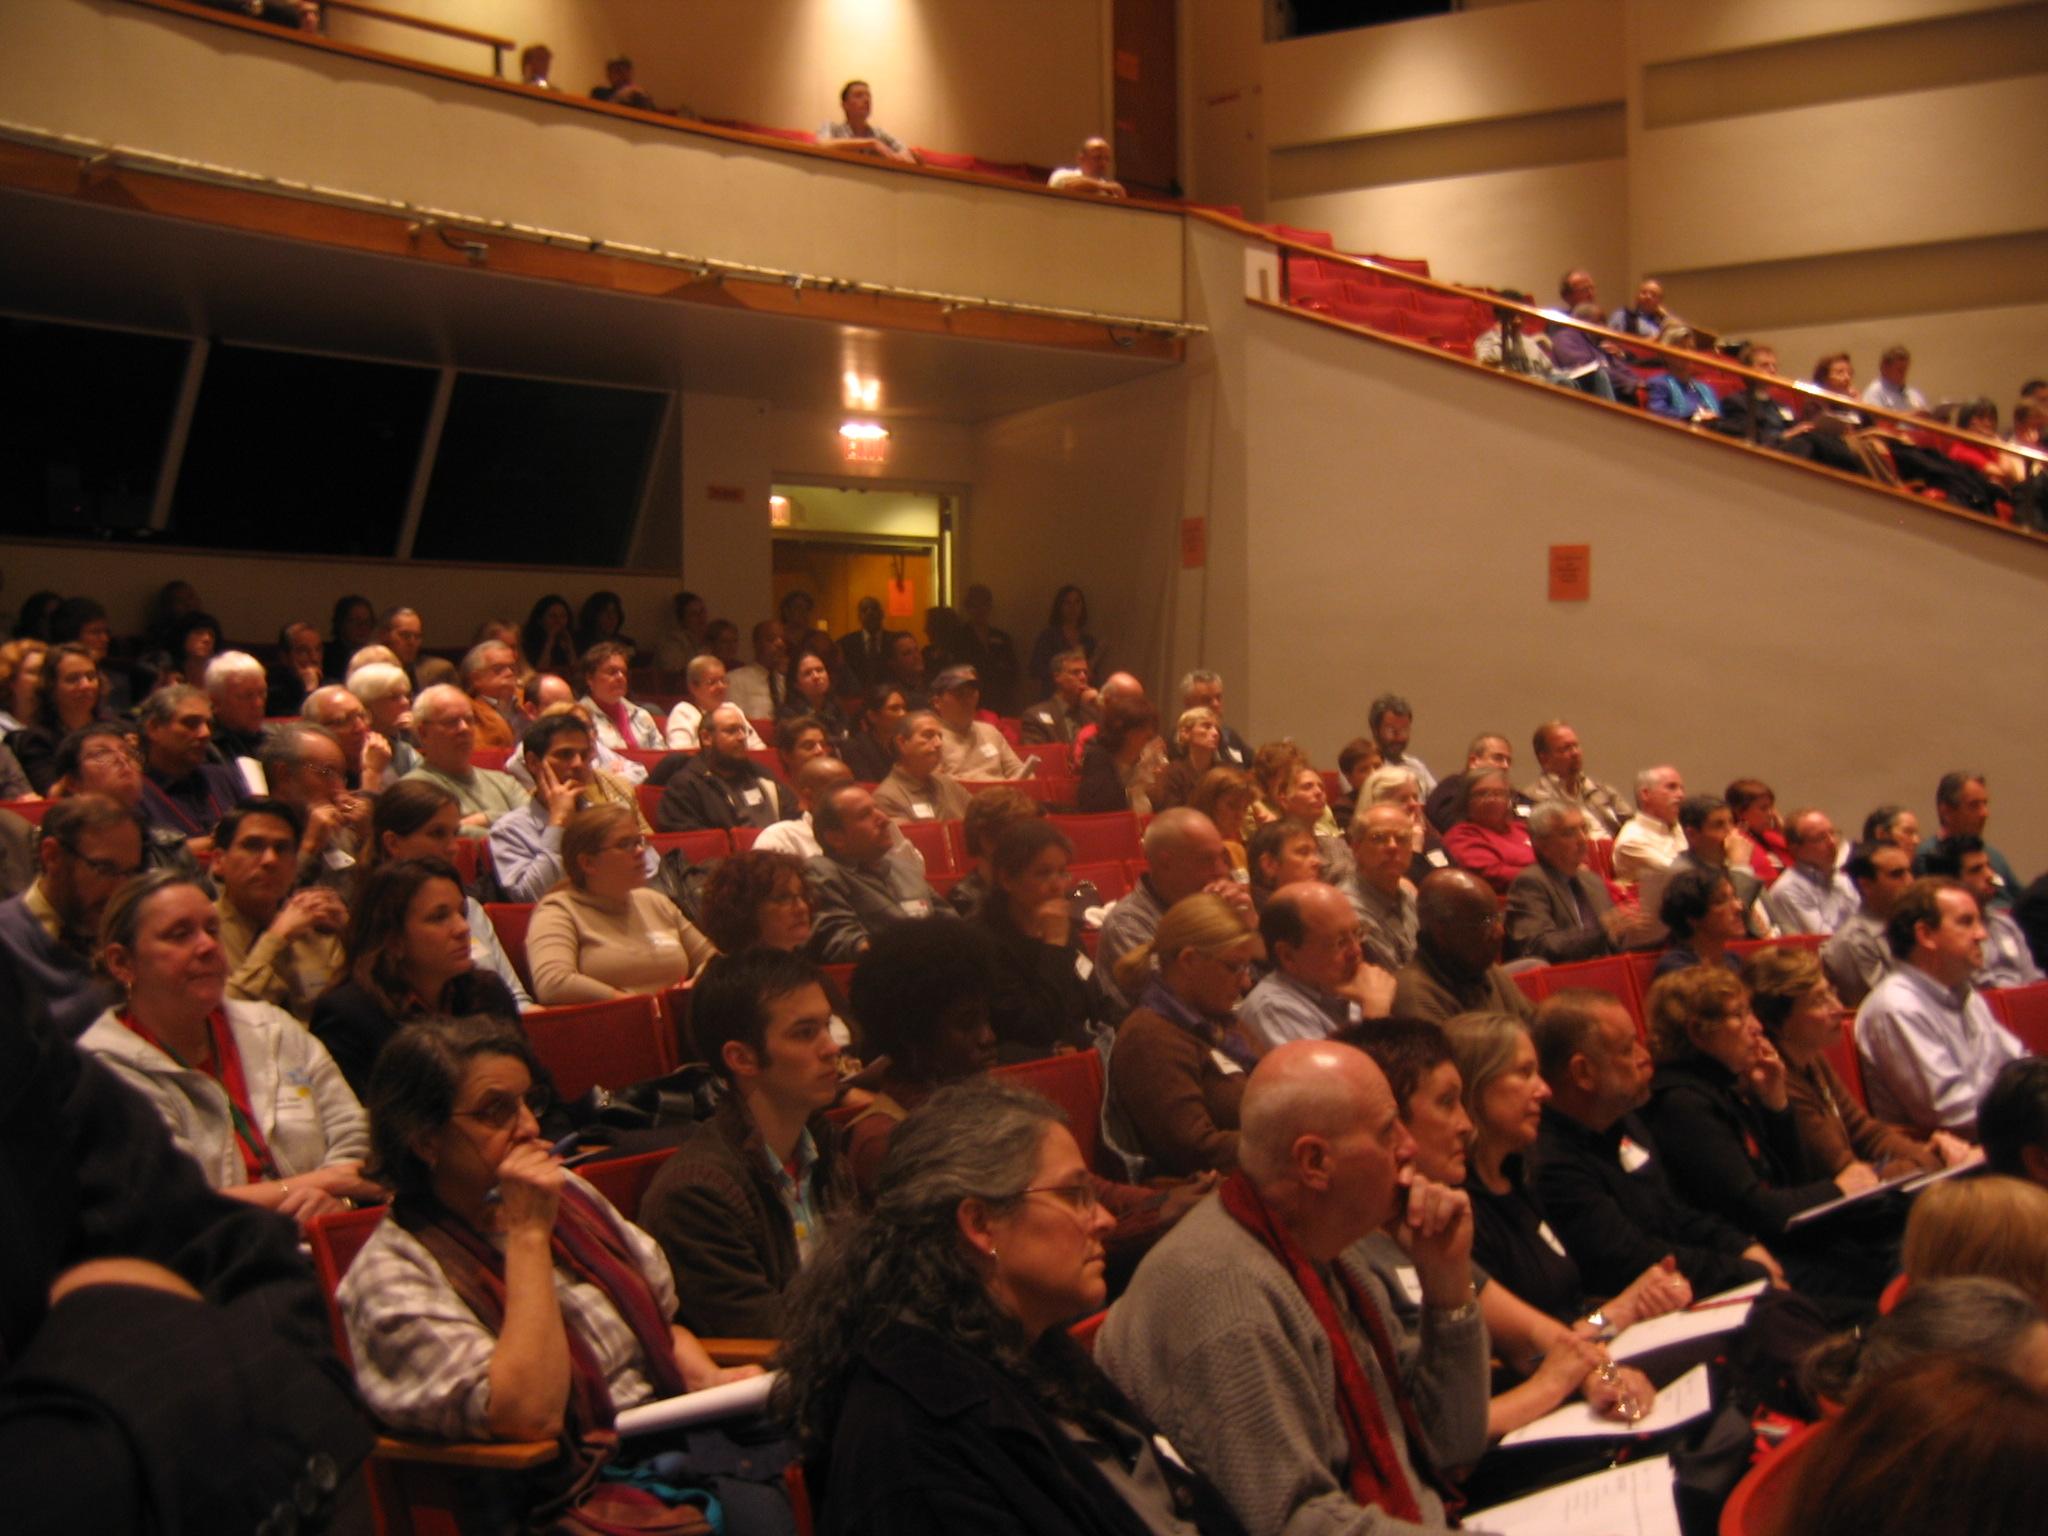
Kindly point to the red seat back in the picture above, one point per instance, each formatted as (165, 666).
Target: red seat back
(493, 758)
(649, 796)
(710, 843)
(1099, 839)
(1112, 880)
(619, 1041)
(1841, 1055)
(30, 811)
(1051, 758)
(335, 1241)
(2024, 1011)
(1073, 1081)
(1612, 974)
(744, 838)
(470, 856)
(931, 839)
(509, 920)
(646, 757)
(624, 1180)
(1757, 1505)
(1083, 1333)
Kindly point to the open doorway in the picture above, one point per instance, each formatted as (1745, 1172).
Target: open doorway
(842, 543)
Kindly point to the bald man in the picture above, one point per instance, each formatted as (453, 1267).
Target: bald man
(1184, 854)
(1456, 967)
(1320, 982)
(1241, 1330)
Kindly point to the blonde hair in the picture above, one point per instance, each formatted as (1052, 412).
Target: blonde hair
(1199, 714)
(1992, 1226)
(15, 654)
(1778, 978)
(1483, 1046)
(587, 832)
(1680, 1004)
(1382, 783)
(1200, 921)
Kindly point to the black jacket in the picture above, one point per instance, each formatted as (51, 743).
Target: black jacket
(1728, 1154)
(125, 1409)
(1617, 1222)
(699, 799)
(933, 1439)
(1038, 1000)
(353, 1025)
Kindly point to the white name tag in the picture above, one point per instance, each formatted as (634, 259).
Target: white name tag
(1633, 1157)
(751, 796)
(1411, 1283)
(917, 906)
(1225, 1065)
(1083, 966)
(1165, 1448)
(1439, 858)
(1543, 1231)
(923, 812)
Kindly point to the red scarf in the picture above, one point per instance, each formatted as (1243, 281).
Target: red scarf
(1377, 1480)
(589, 1248)
(225, 1069)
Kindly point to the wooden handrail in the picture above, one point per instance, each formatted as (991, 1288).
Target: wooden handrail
(490, 40)
(1695, 360)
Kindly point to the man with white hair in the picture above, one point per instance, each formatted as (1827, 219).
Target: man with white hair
(386, 692)
(490, 676)
(372, 761)
(239, 688)
(1651, 840)
(445, 719)
(1265, 1347)
(1183, 854)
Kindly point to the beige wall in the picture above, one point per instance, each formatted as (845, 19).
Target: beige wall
(1012, 80)
(112, 72)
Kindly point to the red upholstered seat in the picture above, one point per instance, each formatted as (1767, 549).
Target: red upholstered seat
(1101, 838)
(1754, 1508)
(619, 1041)
(2024, 1011)
(509, 920)
(931, 839)
(709, 843)
(1073, 1081)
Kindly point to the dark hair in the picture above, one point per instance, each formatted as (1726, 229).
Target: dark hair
(1879, 823)
(875, 700)
(378, 921)
(33, 622)
(1059, 599)
(846, 90)
(1387, 704)
(70, 755)
(71, 617)
(67, 819)
(588, 632)
(533, 633)
(731, 903)
(814, 643)
(1861, 864)
(597, 655)
(1827, 361)
(1270, 841)
(1694, 810)
(990, 812)
(1920, 904)
(790, 729)
(1741, 794)
(1983, 405)
(122, 915)
(1945, 856)
(1969, 1316)
(46, 701)
(343, 607)
(1021, 841)
(729, 1001)
(412, 1090)
(1121, 717)
(229, 826)
(402, 810)
(540, 736)
(1564, 1027)
(1949, 791)
(1406, 1050)
(910, 977)
(185, 628)
(2013, 1114)
(1281, 923)
(1357, 748)
(1687, 899)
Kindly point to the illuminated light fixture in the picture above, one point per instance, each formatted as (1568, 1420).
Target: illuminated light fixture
(864, 442)
(860, 394)
(780, 514)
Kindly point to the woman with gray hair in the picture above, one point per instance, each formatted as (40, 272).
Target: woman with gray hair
(1984, 1319)
(927, 1369)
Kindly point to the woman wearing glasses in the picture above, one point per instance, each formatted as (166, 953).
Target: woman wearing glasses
(1179, 1065)
(604, 932)
(504, 1298)
(245, 1091)
(927, 1368)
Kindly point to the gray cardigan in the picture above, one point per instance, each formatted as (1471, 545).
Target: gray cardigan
(1217, 1344)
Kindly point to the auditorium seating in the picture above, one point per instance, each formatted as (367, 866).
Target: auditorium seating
(2024, 1011)
(710, 843)
(30, 811)
(930, 839)
(1100, 838)
(615, 1043)
(1757, 1504)
(1074, 1082)
(509, 920)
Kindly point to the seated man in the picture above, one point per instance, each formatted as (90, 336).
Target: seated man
(971, 748)
(1929, 1045)
(101, 760)
(1857, 956)
(1564, 778)
(1487, 751)
(1647, 317)
(526, 845)
(1090, 172)
(374, 759)
(85, 848)
(857, 133)
(1457, 950)
(236, 684)
(282, 946)
(402, 633)
(1962, 806)
(490, 676)
(905, 671)
(761, 687)
(445, 720)
(1319, 983)
(619, 88)
(2008, 962)
(296, 670)
(798, 739)
(1813, 896)
(1390, 718)
(1071, 707)
(1265, 1347)
(1708, 827)
(305, 769)
(1183, 855)
(1381, 848)
(1595, 1166)
(184, 790)
(1203, 689)
(1559, 910)
(917, 789)
(745, 1198)
(857, 888)
(796, 836)
(1890, 389)
(721, 788)
(2012, 1122)
(1651, 840)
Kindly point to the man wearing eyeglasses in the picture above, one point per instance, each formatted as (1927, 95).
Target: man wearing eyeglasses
(88, 846)
(721, 788)
(1457, 947)
(1559, 910)
(184, 790)
(1381, 897)
(743, 1202)
(1320, 982)
(1813, 896)
(307, 770)
(101, 760)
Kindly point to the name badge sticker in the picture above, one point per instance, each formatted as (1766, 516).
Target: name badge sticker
(751, 796)
(922, 812)
(1633, 1157)
(1550, 1238)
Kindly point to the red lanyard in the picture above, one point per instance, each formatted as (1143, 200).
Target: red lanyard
(226, 1069)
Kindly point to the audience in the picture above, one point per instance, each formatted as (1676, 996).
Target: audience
(810, 693)
(1995, 1227)
(445, 720)
(1890, 389)
(102, 760)
(856, 100)
(916, 787)
(721, 788)
(1390, 718)
(526, 846)
(1755, 808)
(858, 890)
(1488, 838)
(417, 820)
(296, 671)
(1651, 839)
(871, 751)
(281, 946)
(489, 672)
(973, 749)
(1564, 778)
(245, 1092)
(1712, 845)
(1444, 804)
(1123, 762)
(1066, 630)
(69, 701)
(757, 900)
(385, 694)
(1678, 392)
(21, 682)
(705, 679)
(306, 768)
(1378, 886)
(1856, 956)
(761, 688)
(1929, 1045)
(185, 789)
(1281, 853)
(85, 848)
(604, 932)
(1041, 1000)
(1090, 173)
(547, 642)
(1320, 982)
(1813, 896)
(1456, 968)
(745, 1200)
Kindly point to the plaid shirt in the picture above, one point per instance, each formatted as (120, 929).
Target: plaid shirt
(423, 1361)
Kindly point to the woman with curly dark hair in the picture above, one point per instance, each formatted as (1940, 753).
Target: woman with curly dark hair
(547, 639)
(927, 1369)
(755, 899)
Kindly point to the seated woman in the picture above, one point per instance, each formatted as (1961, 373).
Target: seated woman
(618, 722)
(604, 932)
(811, 692)
(1993, 1226)
(21, 682)
(1721, 1111)
(1280, 853)
(1800, 1012)
(1488, 838)
(1066, 630)
(1041, 1000)
(1305, 801)
(760, 900)
(1758, 829)
(1981, 416)
(1704, 914)
(1177, 1071)
(1680, 394)
(1195, 739)
(988, 813)
(916, 787)
(543, 1311)
(1225, 796)
(704, 680)
(409, 957)
(1122, 761)
(70, 701)
(417, 819)
(929, 1375)
(246, 1092)
(1968, 1315)
(1547, 1360)
(546, 642)
(871, 750)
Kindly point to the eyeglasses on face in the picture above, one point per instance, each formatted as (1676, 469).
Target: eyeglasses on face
(106, 869)
(500, 1109)
(1078, 1198)
(637, 843)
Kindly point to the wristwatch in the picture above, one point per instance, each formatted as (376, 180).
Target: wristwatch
(1603, 1326)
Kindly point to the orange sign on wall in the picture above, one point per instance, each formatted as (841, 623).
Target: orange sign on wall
(1571, 573)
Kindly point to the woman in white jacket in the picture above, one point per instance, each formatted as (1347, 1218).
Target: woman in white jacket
(247, 1093)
